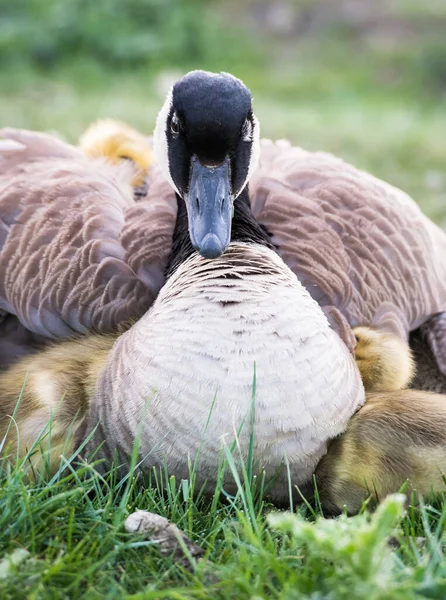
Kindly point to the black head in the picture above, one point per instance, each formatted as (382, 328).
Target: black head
(207, 143)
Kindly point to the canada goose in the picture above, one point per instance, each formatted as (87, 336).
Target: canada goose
(307, 384)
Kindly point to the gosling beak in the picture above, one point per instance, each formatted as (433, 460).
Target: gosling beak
(140, 191)
(209, 208)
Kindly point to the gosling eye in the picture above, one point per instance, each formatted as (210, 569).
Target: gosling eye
(175, 125)
(124, 157)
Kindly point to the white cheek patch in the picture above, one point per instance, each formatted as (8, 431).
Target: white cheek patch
(255, 152)
(160, 145)
(247, 131)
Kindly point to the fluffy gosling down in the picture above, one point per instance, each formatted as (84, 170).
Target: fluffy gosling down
(384, 360)
(118, 141)
(396, 440)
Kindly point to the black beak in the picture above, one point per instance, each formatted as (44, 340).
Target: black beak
(209, 208)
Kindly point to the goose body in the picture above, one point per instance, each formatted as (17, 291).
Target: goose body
(233, 339)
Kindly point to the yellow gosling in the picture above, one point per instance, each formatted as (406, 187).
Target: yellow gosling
(384, 360)
(396, 438)
(117, 141)
(48, 393)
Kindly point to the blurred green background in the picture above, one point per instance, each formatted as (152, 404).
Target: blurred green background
(364, 79)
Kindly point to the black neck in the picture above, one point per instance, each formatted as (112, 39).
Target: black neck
(244, 229)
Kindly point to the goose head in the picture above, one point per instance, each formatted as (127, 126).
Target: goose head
(206, 142)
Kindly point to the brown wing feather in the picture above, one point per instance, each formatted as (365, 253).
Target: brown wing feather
(30, 146)
(76, 252)
(355, 242)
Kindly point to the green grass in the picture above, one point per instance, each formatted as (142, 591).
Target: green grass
(64, 538)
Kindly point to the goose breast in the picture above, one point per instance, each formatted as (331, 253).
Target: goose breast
(232, 348)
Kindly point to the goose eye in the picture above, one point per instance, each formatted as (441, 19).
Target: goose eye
(175, 125)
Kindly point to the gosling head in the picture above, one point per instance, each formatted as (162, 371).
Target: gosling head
(206, 142)
(117, 142)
